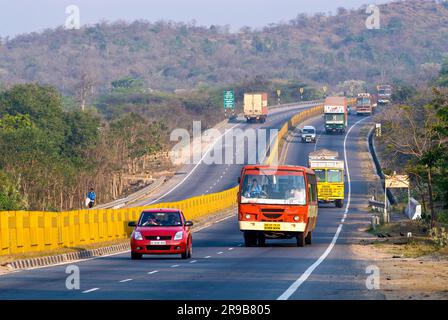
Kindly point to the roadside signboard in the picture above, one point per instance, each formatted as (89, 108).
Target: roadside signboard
(229, 99)
(279, 92)
(397, 181)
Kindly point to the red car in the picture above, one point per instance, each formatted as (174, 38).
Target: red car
(161, 231)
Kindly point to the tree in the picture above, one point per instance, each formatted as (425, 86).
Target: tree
(418, 136)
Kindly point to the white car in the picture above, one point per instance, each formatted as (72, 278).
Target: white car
(309, 134)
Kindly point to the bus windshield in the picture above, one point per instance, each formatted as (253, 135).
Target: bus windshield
(274, 189)
(335, 176)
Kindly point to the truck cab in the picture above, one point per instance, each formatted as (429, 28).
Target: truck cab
(336, 114)
(365, 104)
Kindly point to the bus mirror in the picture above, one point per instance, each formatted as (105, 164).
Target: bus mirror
(239, 180)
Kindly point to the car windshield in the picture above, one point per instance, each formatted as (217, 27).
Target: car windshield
(160, 219)
(274, 189)
(310, 131)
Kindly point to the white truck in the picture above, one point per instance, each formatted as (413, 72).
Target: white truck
(255, 106)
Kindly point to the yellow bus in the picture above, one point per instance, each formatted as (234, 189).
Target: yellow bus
(330, 176)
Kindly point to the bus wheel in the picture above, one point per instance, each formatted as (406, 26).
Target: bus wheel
(339, 203)
(300, 239)
(309, 238)
(250, 238)
(261, 239)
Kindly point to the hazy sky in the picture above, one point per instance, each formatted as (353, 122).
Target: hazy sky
(22, 16)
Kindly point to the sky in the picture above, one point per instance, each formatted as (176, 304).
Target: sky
(24, 16)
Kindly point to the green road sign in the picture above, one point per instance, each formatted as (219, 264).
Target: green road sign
(229, 99)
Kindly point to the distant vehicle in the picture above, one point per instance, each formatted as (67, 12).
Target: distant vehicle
(255, 106)
(330, 176)
(384, 94)
(277, 203)
(365, 104)
(336, 115)
(308, 134)
(161, 231)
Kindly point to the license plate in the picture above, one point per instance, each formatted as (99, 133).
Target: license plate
(158, 243)
(308, 139)
(272, 226)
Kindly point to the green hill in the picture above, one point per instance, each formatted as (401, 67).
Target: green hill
(409, 46)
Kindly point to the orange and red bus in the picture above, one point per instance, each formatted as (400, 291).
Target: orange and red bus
(277, 202)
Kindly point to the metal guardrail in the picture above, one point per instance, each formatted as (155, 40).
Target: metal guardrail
(119, 203)
(378, 168)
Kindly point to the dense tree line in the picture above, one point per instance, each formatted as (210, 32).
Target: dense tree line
(416, 140)
(50, 157)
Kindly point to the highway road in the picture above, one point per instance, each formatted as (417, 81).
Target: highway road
(202, 178)
(221, 268)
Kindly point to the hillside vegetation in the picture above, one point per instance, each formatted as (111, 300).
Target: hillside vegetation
(165, 55)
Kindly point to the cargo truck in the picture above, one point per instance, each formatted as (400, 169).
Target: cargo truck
(365, 104)
(255, 106)
(384, 94)
(329, 172)
(335, 113)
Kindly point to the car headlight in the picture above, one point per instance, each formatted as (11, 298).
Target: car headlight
(296, 218)
(247, 216)
(138, 235)
(179, 235)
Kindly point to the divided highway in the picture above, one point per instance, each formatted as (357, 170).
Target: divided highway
(221, 268)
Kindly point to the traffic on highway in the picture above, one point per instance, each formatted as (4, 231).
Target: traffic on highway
(223, 160)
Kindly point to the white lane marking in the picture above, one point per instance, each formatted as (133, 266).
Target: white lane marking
(194, 261)
(174, 266)
(91, 290)
(125, 280)
(218, 221)
(230, 249)
(152, 272)
(293, 288)
(195, 167)
(220, 252)
(207, 257)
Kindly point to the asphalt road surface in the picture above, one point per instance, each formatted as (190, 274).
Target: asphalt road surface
(202, 178)
(221, 267)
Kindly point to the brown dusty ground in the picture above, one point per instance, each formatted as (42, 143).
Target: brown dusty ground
(410, 268)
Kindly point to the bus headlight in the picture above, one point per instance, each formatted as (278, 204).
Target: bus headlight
(296, 218)
(247, 216)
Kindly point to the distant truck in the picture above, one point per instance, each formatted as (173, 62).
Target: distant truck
(329, 172)
(256, 106)
(384, 94)
(336, 114)
(365, 104)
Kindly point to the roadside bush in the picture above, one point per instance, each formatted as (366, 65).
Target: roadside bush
(439, 236)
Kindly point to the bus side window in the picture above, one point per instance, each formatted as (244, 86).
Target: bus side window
(312, 189)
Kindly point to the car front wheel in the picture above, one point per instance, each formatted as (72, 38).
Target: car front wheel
(187, 253)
